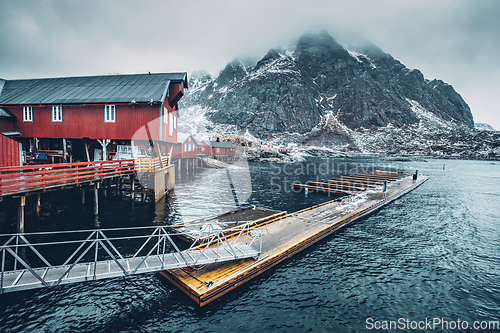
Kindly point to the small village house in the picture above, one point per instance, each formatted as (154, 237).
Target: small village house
(219, 148)
(190, 147)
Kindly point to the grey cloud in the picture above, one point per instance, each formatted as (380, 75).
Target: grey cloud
(457, 41)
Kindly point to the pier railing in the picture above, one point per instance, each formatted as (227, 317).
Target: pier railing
(45, 259)
(21, 179)
(150, 164)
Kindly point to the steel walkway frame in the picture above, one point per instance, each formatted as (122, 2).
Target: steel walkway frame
(160, 250)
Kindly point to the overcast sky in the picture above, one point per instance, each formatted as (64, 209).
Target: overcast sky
(457, 41)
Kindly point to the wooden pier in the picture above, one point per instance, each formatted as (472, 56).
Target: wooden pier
(351, 184)
(26, 179)
(155, 176)
(291, 233)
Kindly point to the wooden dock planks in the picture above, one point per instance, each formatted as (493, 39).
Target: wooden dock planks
(348, 185)
(336, 186)
(287, 236)
(321, 189)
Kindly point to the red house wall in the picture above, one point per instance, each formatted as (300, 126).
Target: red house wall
(176, 151)
(7, 125)
(172, 91)
(215, 153)
(88, 121)
(194, 147)
(9, 152)
(138, 121)
(206, 151)
(223, 152)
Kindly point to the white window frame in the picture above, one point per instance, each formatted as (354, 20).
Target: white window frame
(27, 114)
(111, 116)
(165, 115)
(175, 122)
(170, 125)
(217, 150)
(57, 114)
(185, 147)
(189, 147)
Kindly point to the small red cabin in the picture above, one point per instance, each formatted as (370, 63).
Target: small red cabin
(219, 148)
(190, 146)
(204, 149)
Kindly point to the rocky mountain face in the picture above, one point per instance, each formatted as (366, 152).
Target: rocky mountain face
(324, 94)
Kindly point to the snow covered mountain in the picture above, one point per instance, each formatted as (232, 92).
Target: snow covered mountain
(324, 94)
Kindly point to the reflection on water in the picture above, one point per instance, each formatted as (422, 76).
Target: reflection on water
(433, 253)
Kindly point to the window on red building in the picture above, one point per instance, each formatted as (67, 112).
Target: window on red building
(57, 114)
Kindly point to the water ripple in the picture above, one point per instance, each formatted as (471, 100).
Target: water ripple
(432, 253)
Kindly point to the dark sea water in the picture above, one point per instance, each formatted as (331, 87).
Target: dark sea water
(434, 253)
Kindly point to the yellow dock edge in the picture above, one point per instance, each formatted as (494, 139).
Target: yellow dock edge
(264, 264)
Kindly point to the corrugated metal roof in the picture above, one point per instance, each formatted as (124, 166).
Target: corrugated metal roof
(6, 113)
(220, 144)
(89, 89)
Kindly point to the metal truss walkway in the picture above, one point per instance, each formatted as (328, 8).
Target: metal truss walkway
(99, 257)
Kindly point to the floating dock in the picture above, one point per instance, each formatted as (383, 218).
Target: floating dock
(198, 230)
(287, 234)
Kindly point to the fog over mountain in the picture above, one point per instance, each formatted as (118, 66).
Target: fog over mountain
(345, 97)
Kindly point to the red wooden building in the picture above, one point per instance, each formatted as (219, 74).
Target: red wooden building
(78, 114)
(204, 149)
(190, 146)
(220, 148)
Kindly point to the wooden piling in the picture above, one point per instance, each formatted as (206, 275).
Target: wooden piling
(64, 150)
(38, 204)
(96, 198)
(87, 151)
(20, 214)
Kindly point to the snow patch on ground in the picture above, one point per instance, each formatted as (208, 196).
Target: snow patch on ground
(428, 120)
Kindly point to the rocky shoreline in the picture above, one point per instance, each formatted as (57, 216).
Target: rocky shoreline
(298, 154)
